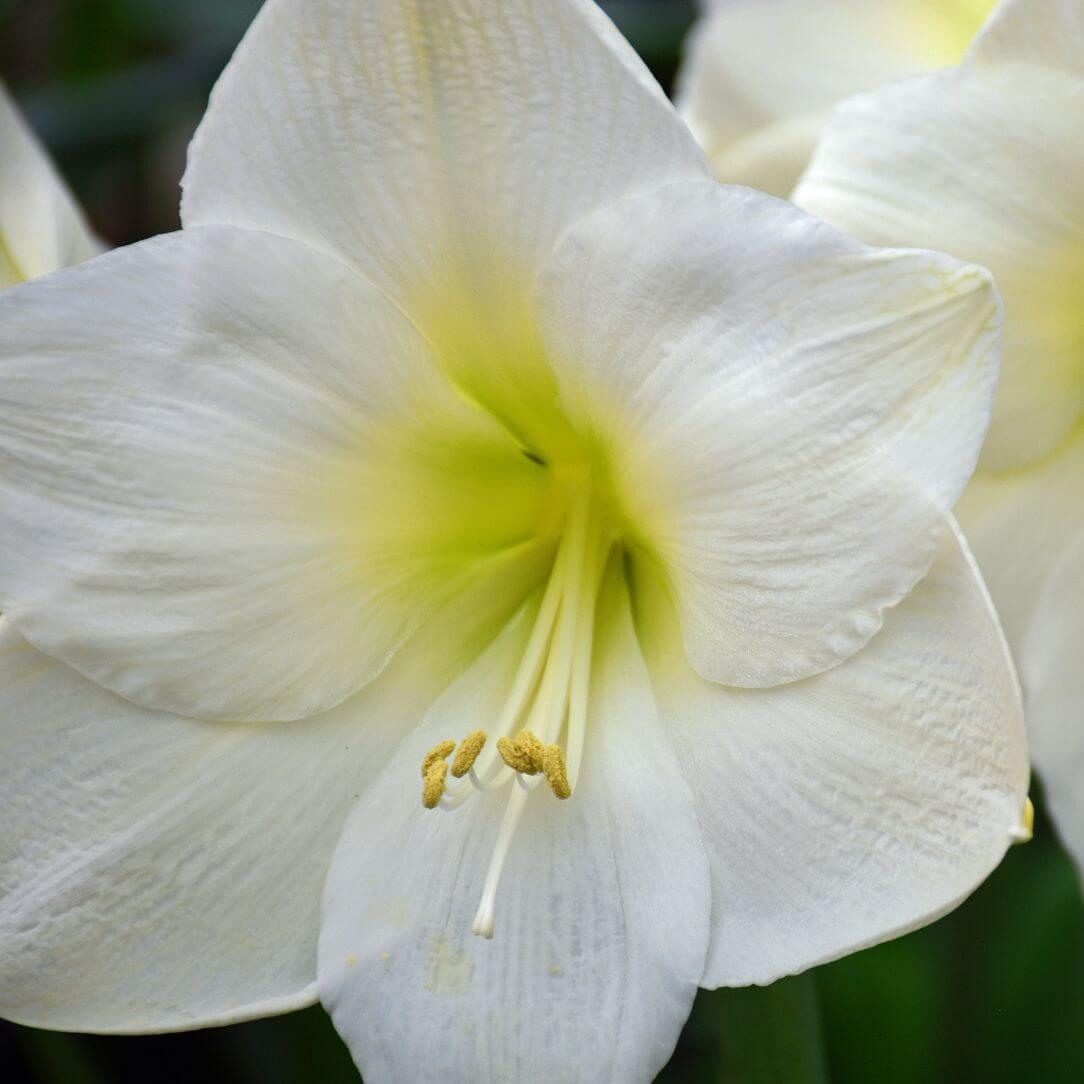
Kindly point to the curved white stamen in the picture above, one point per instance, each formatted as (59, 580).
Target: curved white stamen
(483, 920)
(551, 686)
(535, 656)
(580, 677)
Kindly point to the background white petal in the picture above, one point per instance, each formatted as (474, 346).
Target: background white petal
(41, 227)
(601, 916)
(1019, 523)
(787, 414)
(1052, 667)
(772, 157)
(851, 807)
(159, 873)
(1049, 33)
(759, 72)
(226, 475)
(986, 164)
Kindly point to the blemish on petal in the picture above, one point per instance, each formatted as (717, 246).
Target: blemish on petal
(448, 970)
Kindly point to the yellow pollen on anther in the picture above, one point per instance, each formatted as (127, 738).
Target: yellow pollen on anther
(469, 748)
(522, 754)
(553, 764)
(438, 752)
(434, 783)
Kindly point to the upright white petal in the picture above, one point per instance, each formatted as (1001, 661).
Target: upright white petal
(41, 226)
(601, 921)
(439, 145)
(854, 806)
(226, 467)
(985, 163)
(1019, 524)
(787, 414)
(160, 873)
(1052, 667)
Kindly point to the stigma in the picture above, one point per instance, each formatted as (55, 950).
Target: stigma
(538, 735)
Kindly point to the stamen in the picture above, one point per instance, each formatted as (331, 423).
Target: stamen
(434, 784)
(553, 765)
(438, 752)
(580, 677)
(547, 700)
(469, 748)
(483, 920)
(522, 754)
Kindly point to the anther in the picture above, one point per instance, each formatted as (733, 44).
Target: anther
(531, 747)
(438, 752)
(553, 765)
(522, 754)
(434, 783)
(469, 748)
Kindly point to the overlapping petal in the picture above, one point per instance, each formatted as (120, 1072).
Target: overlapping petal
(851, 807)
(41, 226)
(984, 163)
(1053, 674)
(601, 920)
(159, 873)
(226, 481)
(786, 414)
(1019, 525)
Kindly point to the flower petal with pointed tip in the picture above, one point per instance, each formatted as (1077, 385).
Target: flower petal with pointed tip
(984, 162)
(601, 916)
(788, 414)
(158, 873)
(854, 806)
(227, 494)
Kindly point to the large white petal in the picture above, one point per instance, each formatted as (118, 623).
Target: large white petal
(985, 163)
(1018, 525)
(41, 227)
(851, 807)
(1049, 33)
(440, 145)
(787, 414)
(160, 873)
(601, 915)
(232, 477)
(1052, 667)
(761, 76)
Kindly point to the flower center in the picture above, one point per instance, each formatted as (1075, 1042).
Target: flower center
(538, 735)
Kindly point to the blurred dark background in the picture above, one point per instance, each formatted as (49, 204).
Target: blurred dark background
(993, 993)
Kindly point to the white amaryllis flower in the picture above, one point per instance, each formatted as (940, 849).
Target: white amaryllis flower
(987, 162)
(761, 76)
(468, 406)
(41, 226)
